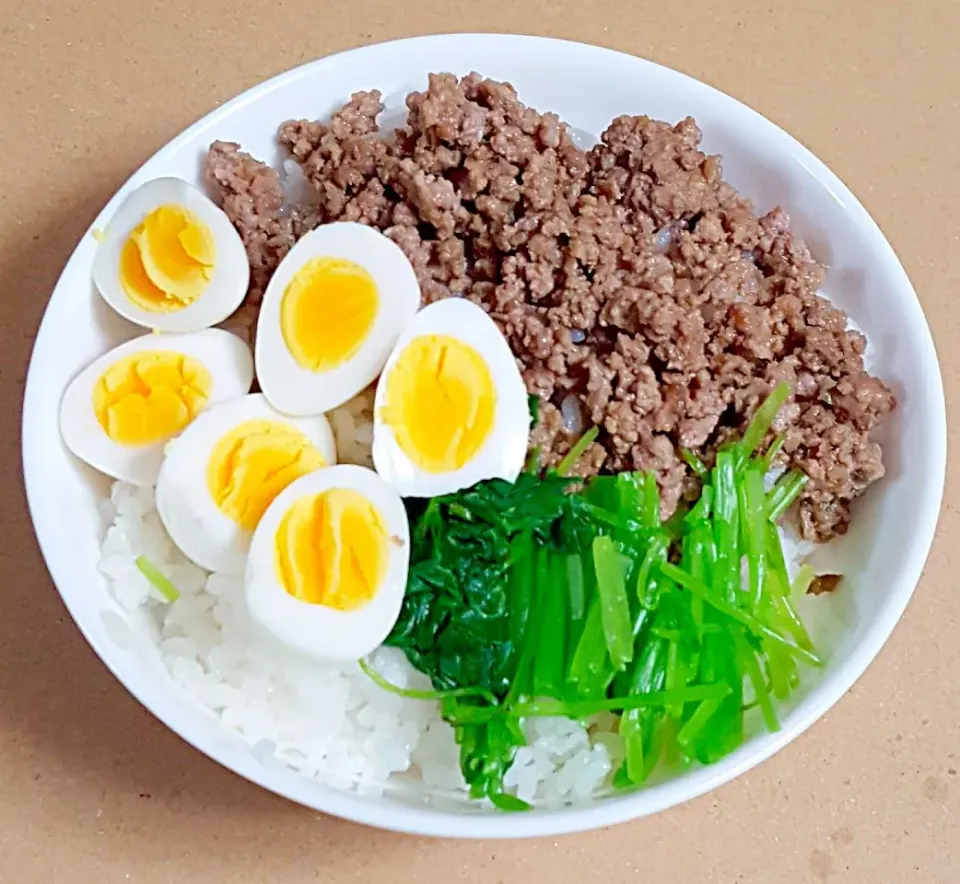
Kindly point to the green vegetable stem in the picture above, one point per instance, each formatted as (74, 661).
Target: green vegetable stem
(157, 579)
(558, 596)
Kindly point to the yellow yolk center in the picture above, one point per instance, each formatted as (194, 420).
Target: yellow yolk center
(253, 463)
(331, 549)
(150, 396)
(327, 311)
(440, 402)
(167, 261)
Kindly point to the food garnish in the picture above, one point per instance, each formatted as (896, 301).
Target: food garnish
(552, 596)
(157, 579)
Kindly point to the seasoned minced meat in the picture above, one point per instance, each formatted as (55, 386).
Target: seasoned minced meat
(253, 198)
(637, 289)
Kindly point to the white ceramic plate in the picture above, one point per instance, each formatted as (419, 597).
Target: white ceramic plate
(882, 556)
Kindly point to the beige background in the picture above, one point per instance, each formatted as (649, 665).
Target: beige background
(93, 789)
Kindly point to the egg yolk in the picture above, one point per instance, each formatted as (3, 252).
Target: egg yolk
(253, 463)
(167, 261)
(150, 396)
(327, 311)
(440, 402)
(331, 549)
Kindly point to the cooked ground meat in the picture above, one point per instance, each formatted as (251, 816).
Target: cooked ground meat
(637, 289)
(253, 198)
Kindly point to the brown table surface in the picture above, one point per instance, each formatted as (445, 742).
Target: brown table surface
(93, 789)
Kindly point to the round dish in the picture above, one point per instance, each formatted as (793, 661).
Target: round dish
(883, 554)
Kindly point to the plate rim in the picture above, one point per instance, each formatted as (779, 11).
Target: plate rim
(542, 822)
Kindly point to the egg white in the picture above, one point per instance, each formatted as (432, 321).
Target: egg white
(504, 450)
(191, 516)
(231, 272)
(297, 390)
(318, 630)
(224, 356)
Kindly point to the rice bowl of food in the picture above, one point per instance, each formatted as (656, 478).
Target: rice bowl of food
(485, 454)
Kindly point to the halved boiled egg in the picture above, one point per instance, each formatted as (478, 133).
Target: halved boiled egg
(171, 260)
(221, 474)
(328, 564)
(330, 316)
(451, 406)
(120, 411)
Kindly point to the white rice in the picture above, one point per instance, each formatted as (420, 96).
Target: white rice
(560, 762)
(331, 723)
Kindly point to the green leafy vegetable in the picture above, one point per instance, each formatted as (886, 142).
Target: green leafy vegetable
(766, 462)
(801, 583)
(753, 525)
(573, 455)
(760, 629)
(584, 709)
(412, 694)
(694, 462)
(157, 578)
(549, 670)
(553, 596)
(610, 568)
(762, 420)
(575, 587)
(590, 669)
(784, 492)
